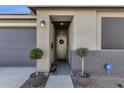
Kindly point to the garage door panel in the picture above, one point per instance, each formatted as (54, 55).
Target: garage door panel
(15, 44)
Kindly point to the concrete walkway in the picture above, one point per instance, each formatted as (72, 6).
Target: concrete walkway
(63, 68)
(59, 81)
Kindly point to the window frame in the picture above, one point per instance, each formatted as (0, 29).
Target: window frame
(101, 15)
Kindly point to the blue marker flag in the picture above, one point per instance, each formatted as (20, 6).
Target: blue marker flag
(108, 66)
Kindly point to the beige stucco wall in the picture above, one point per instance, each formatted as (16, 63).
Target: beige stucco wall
(43, 41)
(52, 38)
(71, 39)
(71, 35)
(85, 29)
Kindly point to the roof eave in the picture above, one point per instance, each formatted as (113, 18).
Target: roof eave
(33, 7)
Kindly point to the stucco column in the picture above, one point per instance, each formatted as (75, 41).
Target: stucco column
(43, 42)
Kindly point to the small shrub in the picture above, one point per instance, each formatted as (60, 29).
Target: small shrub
(82, 52)
(36, 53)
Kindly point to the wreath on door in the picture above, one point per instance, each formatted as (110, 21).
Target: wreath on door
(61, 41)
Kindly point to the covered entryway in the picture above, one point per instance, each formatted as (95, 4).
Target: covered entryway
(61, 40)
(61, 26)
(15, 44)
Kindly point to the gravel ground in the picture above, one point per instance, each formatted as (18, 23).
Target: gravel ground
(97, 82)
(103, 82)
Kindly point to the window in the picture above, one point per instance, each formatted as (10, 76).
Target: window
(112, 33)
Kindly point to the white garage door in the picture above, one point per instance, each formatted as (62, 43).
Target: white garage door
(15, 44)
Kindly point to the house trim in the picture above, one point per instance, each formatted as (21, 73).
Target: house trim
(18, 21)
(18, 24)
(17, 17)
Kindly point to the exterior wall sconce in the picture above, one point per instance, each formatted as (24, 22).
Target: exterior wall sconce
(42, 23)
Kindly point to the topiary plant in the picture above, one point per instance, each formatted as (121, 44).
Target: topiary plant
(82, 53)
(35, 54)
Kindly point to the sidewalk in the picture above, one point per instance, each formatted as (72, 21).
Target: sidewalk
(59, 81)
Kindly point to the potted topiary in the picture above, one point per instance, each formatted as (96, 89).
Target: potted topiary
(36, 78)
(83, 78)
